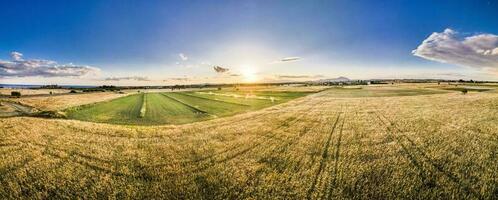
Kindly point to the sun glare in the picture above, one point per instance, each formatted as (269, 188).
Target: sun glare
(249, 73)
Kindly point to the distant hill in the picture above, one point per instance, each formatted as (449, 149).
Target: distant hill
(338, 79)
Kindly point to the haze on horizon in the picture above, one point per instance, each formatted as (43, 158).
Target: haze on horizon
(180, 42)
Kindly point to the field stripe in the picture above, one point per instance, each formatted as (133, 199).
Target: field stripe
(186, 104)
(336, 161)
(143, 109)
(324, 158)
(248, 149)
(204, 98)
(426, 159)
(226, 155)
(254, 179)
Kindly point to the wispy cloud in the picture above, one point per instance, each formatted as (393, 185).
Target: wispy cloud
(286, 59)
(134, 78)
(18, 67)
(177, 79)
(478, 51)
(183, 57)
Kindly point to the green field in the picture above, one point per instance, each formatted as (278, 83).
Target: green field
(177, 107)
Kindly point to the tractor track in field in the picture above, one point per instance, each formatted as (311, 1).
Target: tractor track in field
(295, 139)
(213, 160)
(272, 133)
(208, 99)
(88, 161)
(76, 158)
(259, 116)
(162, 136)
(324, 158)
(423, 157)
(286, 123)
(4, 171)
(337, 155)
(16, 166)
(280, 149)
(186, 104)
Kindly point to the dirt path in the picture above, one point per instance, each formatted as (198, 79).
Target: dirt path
(16, 109)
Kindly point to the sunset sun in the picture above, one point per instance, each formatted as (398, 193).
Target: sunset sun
(249, 73)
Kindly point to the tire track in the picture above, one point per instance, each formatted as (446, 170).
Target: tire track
(270, 134)
(273, 154)
(215, 100)
(87, 161)
(336, 160)
(222, 157)
(324, 159)
(193, 108)
(462, 184)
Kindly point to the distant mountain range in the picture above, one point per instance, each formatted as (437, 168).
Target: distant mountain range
(338, 79)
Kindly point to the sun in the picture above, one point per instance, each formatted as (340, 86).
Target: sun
(249, 73)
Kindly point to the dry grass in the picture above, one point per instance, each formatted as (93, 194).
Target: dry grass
(65, 101)
(6, 91)
(440, 146)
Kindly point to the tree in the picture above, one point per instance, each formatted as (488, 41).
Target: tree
(464, 91)
(15, 94)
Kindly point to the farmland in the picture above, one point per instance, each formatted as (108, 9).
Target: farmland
(177, 107)
(385, 142)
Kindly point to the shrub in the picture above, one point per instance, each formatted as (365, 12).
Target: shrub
(73, 91)
(15, 94)
(464, 91)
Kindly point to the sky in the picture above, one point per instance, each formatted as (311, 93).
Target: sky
(184, 42)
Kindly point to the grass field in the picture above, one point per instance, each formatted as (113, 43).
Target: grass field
(176, 107)
(335, 144)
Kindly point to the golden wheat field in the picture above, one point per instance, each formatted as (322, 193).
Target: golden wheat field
(327, 145)
(6, 91)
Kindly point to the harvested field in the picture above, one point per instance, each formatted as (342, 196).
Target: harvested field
(66, 101)
(322, 146)
(7, 91)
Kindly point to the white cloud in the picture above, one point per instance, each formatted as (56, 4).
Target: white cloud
(16, 56)
(478, 51)
(183, 57)
(135, 78)
(19, 67)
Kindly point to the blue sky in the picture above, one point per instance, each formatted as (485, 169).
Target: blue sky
(140, 42)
